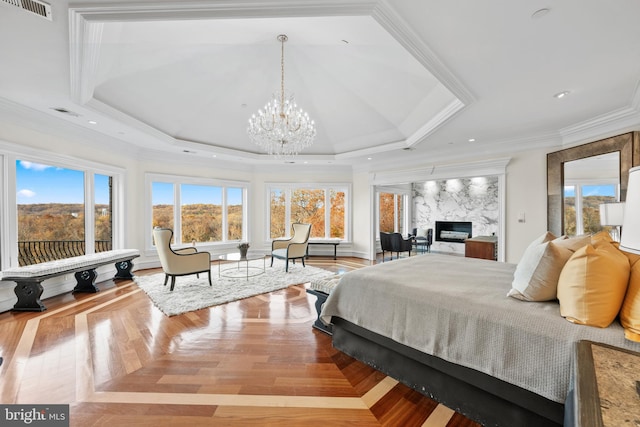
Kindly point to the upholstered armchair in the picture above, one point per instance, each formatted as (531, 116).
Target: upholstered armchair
(293, 248)
(422, 239)
(179, 262)
(394, 242)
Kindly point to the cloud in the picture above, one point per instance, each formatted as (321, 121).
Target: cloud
(33, 166)
(26, 193)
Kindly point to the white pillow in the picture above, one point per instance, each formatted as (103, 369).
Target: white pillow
(421, 232)
(537, 273)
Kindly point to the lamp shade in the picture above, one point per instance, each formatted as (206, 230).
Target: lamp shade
(611, 213)
(630, 239)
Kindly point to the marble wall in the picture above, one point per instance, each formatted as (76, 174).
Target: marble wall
(467, 199)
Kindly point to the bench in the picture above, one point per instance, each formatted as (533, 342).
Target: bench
(334, 242)
(321, 290)
(29, 278)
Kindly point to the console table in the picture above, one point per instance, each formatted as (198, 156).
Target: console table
(604, 387)
(334, 242)
(484, 247)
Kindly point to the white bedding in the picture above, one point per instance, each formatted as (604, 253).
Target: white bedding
(456, 308)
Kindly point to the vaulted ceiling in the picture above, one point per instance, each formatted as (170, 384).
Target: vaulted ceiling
(386, 81)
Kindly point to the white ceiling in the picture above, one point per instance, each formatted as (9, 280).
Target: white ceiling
(406, 81)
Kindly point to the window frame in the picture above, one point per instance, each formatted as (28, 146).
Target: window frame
(177, 181)
(406, 197)
(287, 188)
(578, 184)
(8, 182)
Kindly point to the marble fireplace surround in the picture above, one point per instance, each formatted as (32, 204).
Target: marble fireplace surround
(473, 191)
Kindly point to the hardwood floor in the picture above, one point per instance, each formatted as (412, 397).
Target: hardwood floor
(117, 360)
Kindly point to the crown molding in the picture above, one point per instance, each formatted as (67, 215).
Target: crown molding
(49, 124)
(389, 19)
(457, 170)
(436, 121)
(614, 122)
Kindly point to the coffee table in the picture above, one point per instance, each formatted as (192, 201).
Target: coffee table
(242, 269)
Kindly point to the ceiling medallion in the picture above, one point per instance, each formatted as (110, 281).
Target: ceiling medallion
(281, 128)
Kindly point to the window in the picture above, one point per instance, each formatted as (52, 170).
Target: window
(582, 202)
(60, 211)
(391, 212)
(322, 206)
(198, 210)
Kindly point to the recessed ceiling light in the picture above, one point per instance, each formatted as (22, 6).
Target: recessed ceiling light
(214, 155)
(65, 111)
(472, 140)
(540, 13)
(368, 158)
(93, 122)
(561, 95)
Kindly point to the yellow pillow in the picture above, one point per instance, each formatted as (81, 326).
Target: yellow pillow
(630, 312)
(601, 235)
(593, 284)
(573, 243)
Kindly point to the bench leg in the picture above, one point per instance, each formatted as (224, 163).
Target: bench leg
(321, 297)
(86, 281)
(124, 270)
(29, 294)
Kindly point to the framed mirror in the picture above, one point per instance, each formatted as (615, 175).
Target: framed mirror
(589, 183)
(626, 145)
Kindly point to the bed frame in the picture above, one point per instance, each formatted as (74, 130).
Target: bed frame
(478, 396)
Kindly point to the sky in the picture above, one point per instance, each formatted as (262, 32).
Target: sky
(592, 190)
(38, 183)
(190, 194)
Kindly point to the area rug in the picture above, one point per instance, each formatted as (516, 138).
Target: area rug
(192, 293)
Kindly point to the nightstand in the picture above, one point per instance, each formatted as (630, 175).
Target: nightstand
(603, 387)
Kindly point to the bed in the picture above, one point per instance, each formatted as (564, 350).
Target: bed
(444, 326)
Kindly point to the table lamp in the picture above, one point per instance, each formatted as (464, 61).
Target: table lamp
(630, 239)
(612, 214)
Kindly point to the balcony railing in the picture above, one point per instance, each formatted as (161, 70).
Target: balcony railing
(37, 251)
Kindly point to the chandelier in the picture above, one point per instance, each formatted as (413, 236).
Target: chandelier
(282, 129)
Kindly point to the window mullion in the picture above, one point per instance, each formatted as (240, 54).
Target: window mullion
(89, 213)
(177, 213)
(327, 213)
(225, 225)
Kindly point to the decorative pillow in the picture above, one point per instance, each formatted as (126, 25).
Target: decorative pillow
(630, 312)
(574, 243)
(601, 235)
(593, 284)
(537, 273)
(421, 232)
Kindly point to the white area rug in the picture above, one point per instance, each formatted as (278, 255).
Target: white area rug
(192, 293)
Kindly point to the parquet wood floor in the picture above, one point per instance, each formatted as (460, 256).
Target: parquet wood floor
(118, 361)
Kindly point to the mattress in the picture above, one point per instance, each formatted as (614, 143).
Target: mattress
(456, 308)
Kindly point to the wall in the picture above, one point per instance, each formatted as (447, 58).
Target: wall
(526, 194)
(466, 199)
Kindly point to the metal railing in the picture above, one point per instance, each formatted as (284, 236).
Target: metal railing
(38, 251)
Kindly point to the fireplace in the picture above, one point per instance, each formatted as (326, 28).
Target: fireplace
(453, 231)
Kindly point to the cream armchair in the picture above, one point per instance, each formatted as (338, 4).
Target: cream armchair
(179, 262)
(293, 248)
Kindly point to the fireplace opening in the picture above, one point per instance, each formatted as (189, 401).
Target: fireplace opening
(453, 231)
